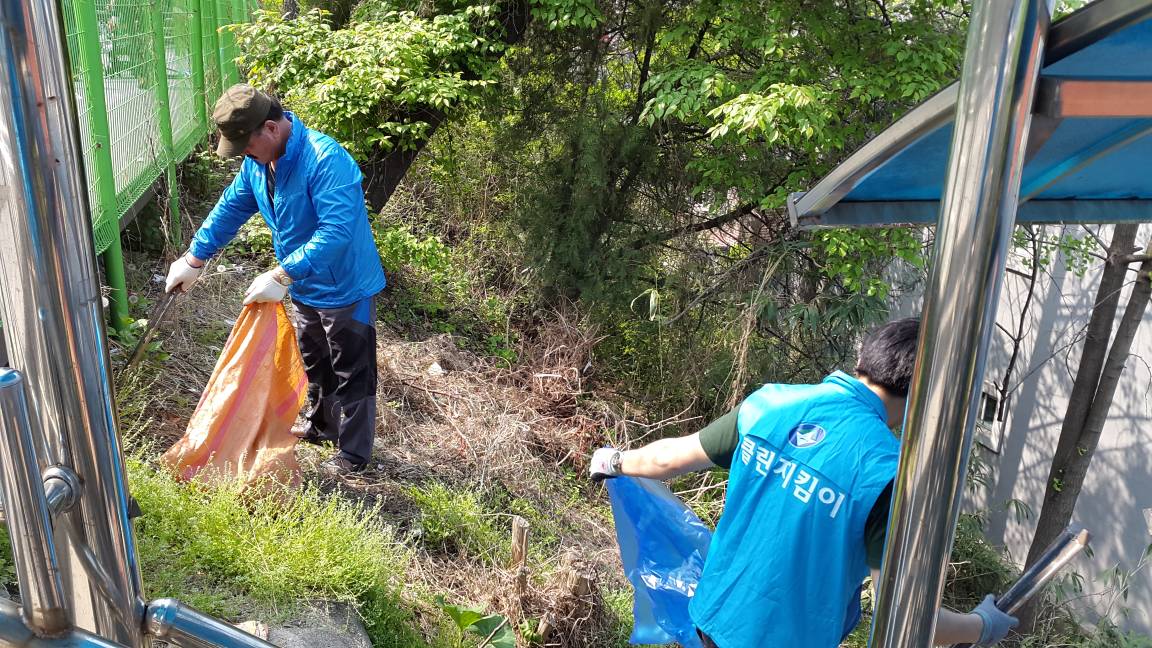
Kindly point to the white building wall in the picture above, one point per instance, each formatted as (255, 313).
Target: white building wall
(1116, 501)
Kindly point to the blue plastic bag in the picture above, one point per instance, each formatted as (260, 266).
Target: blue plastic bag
(663, 546)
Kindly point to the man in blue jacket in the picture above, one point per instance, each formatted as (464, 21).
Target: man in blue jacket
(308, 188)
(806, 511)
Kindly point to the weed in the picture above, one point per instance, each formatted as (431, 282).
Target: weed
(217, 549)
(400, 248)
(545, 533)
(212, 334)
(131, 335)
(492, 629)
(444, 287)
(253, 241)
(1107, 635)
(134, 401)
(500, 346)
(976, 568)
(453, 521)
(618, 605)
(202, 175)
(389, 622)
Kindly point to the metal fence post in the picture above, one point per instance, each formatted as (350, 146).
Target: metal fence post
(106, 207)
(214, 87)
(197, 36)
(973, 236)
(164, 121)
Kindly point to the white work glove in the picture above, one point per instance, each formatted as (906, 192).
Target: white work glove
(270, 286)
(181, 275)
(605, 464)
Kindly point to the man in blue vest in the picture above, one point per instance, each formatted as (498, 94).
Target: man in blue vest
(308, 189)
(809, 484)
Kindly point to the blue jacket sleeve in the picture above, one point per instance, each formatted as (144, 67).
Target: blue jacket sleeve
(338, 198)
(236, 205)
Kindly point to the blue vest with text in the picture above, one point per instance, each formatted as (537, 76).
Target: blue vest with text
(788, 557)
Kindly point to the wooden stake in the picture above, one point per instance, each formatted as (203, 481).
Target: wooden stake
(544, 630)
(575, 579)
(580, 586)
(520, 528)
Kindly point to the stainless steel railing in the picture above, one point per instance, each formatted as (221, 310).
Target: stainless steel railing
(45, 608)
(61, 464)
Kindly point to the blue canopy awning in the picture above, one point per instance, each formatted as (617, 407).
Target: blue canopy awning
(1089, 155)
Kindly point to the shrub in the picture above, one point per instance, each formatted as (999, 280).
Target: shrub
(976, 568)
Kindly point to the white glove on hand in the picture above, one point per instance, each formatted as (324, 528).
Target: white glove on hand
(266, 288)
(181, 276)
(605, 463)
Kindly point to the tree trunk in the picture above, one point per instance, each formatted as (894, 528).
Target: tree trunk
(384, 171)
(1091, 397)
(291, 9)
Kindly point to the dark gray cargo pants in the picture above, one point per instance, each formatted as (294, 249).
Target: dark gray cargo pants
(339, 350)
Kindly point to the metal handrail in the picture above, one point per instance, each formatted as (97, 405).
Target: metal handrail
(61, 464)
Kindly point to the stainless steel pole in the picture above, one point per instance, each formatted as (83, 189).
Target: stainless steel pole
(13, 632)
(53, 320)
(973, 237)
(180, 625)
(43, 608)
(1066, 547)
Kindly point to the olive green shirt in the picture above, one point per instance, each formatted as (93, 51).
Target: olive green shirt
(720, 440)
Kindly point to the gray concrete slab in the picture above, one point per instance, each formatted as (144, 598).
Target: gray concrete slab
(321, 625)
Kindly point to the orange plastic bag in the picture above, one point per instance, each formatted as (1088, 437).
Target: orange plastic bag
(242, 427)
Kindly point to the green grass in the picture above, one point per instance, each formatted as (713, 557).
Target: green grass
(233, 554)
(455, 521)
(618, 604)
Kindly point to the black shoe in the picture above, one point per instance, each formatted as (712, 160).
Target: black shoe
(340, 467)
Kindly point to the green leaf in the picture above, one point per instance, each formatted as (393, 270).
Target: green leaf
(465, 617)
(504, 637)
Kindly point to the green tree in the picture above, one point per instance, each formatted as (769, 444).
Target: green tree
(383, 78)
(664, 144)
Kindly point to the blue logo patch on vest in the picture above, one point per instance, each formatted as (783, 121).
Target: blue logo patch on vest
(806, 435)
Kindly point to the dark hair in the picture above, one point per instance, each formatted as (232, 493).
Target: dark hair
(888, 355)
(275, 111)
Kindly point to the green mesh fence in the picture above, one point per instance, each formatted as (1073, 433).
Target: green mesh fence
(76, 35)
(187, 128)
(130, 91)
(211, 47)
(128, 51)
